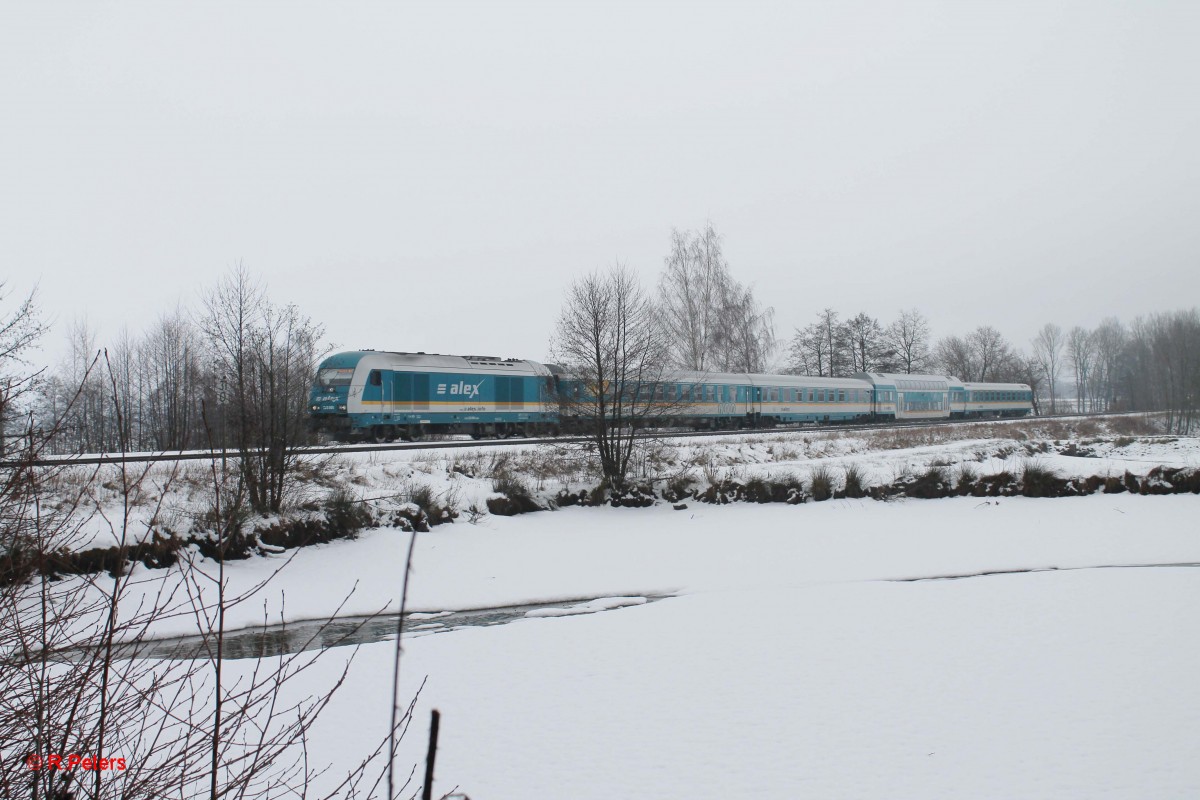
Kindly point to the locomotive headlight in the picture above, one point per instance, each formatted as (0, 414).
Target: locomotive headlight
(342, 407)
(315, 408)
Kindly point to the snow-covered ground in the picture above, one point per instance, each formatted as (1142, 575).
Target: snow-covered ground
(961, 647)
(172, 497)
(798, 658)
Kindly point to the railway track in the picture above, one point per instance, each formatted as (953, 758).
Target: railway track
(430, 444)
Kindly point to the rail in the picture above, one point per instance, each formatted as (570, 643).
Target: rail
(431, 444)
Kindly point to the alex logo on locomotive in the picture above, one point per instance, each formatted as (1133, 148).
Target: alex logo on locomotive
(461, 388)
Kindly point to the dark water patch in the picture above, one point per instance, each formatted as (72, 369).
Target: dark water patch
(297, 637)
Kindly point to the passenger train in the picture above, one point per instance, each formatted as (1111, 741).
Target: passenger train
(383, 396)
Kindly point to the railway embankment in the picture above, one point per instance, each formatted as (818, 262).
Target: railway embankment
(169, 514)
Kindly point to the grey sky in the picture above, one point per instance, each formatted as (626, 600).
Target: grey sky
(432, 177)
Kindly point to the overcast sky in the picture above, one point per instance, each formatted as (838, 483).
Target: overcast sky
(433, 176)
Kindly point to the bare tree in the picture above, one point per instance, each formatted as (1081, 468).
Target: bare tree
(1081, 351)
(1163, 355)
(1025, 369)
(866, 346)
(810, 352)
(171, 373)
(1109, 340)
(954, 356)
(88, 426)
(991, 352)
(265, 355)
(908, 337)
(1047, 351)
(825, 347)
(746, 332)
(691, 292)
(715, 323)
(614, 351)
(19, 331)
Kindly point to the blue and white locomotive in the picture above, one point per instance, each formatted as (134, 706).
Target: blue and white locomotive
(384, 396)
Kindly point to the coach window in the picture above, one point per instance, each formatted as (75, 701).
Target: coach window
(375, 378)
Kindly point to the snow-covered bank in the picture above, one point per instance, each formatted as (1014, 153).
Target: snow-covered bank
(602, 552)
(174, 502)
(797, 657)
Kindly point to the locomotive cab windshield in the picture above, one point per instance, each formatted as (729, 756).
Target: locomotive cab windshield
(329, 378)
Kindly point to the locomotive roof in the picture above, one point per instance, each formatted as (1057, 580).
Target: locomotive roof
(435, 361)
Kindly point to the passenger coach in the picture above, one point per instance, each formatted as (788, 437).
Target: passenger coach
(384, 396)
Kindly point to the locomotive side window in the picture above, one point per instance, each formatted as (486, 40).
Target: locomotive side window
(375, 378)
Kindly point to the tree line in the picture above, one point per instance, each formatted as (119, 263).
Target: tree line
(87, 709)
(231, 374)
(1150, 364)
(234, 370)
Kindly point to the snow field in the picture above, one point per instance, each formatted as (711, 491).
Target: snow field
(796, 656)
(1045, 685)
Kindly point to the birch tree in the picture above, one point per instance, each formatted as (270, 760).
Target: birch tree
(714, 322)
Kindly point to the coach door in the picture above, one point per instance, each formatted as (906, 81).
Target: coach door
(754, 404)
(389, 395)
